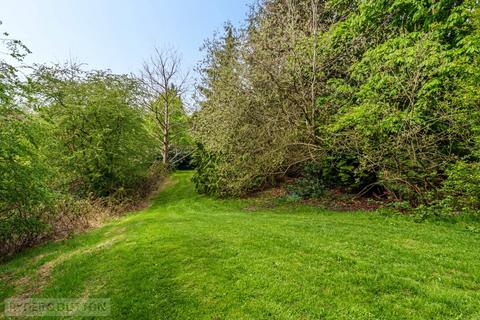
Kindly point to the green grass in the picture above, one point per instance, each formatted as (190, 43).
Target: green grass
(193, 257)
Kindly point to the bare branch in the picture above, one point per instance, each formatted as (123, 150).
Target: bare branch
(164, 83)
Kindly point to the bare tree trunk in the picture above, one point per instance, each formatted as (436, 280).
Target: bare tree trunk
(166, 136)
(165, 149)
(162, 78)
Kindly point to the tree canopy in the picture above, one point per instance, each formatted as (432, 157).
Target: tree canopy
(377, 95)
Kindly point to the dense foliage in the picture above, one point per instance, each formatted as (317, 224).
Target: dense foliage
(378, 94)
(102, 141)
(75, 146)
(360, 96)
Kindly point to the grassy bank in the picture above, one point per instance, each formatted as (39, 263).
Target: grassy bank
(193, 257)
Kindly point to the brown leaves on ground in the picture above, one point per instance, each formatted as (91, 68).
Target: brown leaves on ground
(335, 200)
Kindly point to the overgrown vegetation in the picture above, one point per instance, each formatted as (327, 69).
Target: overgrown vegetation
(379, 95)
(76, 146)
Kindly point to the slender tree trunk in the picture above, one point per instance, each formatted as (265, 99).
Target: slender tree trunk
(166, 137)
(165, 150)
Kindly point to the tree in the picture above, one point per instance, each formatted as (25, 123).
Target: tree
(25, 192)
(164, 86)
(375, 94)
(102, 143)
(257, 108)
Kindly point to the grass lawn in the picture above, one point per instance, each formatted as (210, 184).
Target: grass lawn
(193, 257)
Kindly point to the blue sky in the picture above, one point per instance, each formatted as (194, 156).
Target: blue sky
(116, 34)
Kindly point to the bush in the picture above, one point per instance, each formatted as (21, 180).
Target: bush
(68, 215)
(459, 194)
(311, 185)
(19, 230)
(206, 177)
(462, 187)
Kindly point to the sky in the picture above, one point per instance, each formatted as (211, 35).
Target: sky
(116, 34)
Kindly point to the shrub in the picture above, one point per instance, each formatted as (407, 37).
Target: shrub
(311, 185)
(461, 190)
(206, 178)
(67, 215)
